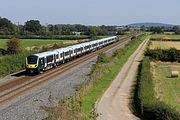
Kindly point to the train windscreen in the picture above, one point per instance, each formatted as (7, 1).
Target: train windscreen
(32, 59)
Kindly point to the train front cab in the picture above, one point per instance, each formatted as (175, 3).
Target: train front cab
(34, 64)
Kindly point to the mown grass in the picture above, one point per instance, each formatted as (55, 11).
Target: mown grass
(164, 44)
(88, 101)
(31, 42)
(167, 88)
(39, 42)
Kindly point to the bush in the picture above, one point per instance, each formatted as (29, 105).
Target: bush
(102, 58)
(13, 45)
(2, 51)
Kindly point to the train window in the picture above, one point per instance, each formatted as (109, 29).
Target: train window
(79, 49)
(86, 47)
(76, 50)
(94, 45)
(89, 46)
(49, 58)
(71, 52)
(61, 55)
(57, 56)
(41, 61)
(67, 53)
(32, 59)
(100, 43)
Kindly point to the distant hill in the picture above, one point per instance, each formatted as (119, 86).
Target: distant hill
(151, 24)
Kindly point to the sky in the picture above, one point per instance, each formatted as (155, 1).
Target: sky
(91, 12)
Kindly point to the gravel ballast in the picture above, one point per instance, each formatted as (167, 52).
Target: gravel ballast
(29, 105)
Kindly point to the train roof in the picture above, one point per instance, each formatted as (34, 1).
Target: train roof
(63, 49)
(44, 54)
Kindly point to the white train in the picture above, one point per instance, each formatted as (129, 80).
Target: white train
(39, 62)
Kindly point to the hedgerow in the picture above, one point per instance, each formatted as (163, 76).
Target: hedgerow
(168, 55)
(147, 105)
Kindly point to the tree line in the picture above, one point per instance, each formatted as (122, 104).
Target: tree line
(158, 29)
(34, 27)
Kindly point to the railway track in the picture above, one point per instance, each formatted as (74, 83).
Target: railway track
(16, 87)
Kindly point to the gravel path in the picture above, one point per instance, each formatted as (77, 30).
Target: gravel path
(28, 106)
(114, 104)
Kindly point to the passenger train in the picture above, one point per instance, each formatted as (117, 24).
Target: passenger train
(46, 60)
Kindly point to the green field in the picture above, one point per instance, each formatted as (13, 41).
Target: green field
(155, 36)
(167, 89)
(35, 42)
(164, 44)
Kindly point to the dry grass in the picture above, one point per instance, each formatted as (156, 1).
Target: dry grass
(167, 88)
(171, 36)
(164, 44)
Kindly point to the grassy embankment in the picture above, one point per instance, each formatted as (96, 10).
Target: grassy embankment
(103, 73)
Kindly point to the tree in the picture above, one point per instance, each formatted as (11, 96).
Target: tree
(33, 26)
(176, 29)
(143, 28)
(156, 30)
(13, 45)
(6, 26)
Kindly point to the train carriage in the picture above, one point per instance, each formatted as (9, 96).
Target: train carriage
(46, 60)
(38, 62)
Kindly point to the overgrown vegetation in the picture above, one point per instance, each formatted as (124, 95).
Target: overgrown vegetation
(145, 102)
(101, 76)
(12, 63)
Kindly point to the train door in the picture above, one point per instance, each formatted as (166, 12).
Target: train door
(41, 63)
(54, 59)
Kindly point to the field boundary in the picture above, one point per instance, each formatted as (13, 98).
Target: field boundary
(145, 104)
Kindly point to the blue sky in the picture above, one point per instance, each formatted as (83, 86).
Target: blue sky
(91, 12)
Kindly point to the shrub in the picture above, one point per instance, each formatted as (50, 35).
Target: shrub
(102, 58)
(13, 45)
(2, 51)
